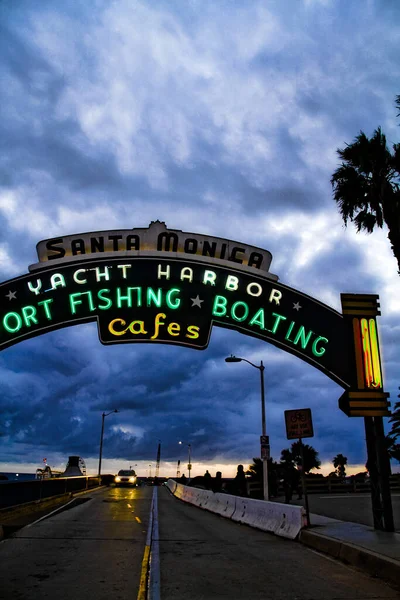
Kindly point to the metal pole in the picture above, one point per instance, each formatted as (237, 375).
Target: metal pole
(304, 484)
(101, 444)
(384, 474)
(190, 464)
(264, 433)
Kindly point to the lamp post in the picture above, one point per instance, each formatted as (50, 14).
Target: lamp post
(189, 459)
(265, 448)
(103, 416)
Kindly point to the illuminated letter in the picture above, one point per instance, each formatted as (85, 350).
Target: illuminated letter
(219, 308)
(258, 287)
(277, 321)
(108, 302)
(172, 327)
(32, 288)
(18, 322)
(232, 283)
(45, 303)
(233, 311)
(209, 277)
(127, 298)
(76, 278)
(74, 301)
(320, 351)
(289, 331)
(154, 297)
(258, 319)
(29, 314)
(165, 274)
(193, 332)
(124, 268)
(141, 327)
(187, 273)
(113, 331)
(301, 336)
(275, 295)
(157, 324)
(102, 275)
(57, 280)
(171, 301)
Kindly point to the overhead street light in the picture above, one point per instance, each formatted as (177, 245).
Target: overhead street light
(265, 447)
(103, 416)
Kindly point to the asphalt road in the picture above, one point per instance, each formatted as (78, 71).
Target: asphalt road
(95, 551)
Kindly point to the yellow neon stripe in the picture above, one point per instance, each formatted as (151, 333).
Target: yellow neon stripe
(143, 576)
(358, 352)
(376, 363)
(369, 378)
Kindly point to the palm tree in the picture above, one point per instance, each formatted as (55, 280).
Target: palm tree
(366, 185)
(339, 463)
(292, 457)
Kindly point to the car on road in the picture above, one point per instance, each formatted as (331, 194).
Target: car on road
(126, 477)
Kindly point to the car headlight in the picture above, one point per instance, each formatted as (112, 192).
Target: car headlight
(117, 479)
(132, 479)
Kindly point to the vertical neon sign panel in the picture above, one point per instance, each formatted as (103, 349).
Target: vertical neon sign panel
(370, 354)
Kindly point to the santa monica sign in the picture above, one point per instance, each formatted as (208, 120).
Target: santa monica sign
(166, 286)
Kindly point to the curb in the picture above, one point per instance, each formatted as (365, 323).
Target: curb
(376, 565)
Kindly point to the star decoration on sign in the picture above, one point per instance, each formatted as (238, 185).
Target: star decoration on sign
(296, 306)
(196, 301)
(11, 295)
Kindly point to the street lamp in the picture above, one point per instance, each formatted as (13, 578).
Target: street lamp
(189, 463)
(265, 448)
(103, 416)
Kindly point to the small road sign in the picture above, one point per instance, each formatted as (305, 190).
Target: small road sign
(298, 423)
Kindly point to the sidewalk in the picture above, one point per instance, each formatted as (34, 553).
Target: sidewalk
(375, 552)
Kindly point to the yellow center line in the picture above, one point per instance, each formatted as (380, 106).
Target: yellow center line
(138, 520)
(143, 576)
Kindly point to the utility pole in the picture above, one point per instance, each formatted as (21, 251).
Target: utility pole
(158, 460)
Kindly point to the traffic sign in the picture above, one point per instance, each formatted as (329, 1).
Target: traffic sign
(298, 423)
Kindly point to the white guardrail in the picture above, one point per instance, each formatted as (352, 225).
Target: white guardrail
(281, 519)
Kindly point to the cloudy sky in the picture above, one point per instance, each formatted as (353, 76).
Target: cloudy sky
(219, 117)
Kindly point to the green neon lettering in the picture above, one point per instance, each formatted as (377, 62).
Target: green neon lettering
(237, 305)
(108, 301)
(258, 319)
(127, 299)
(320, 351)
(301, 336)
(278, 319)
(45, 304)
(29, 315)
(154, 297)
(10, 328)
(171, 299)
(74, 300)
(219, 308)
(289, 331)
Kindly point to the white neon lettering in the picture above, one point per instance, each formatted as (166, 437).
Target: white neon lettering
(57, 280)
(209, 277)
(275, 295)
(35, 289)
(161, 273)
(123, 269)
(258, 290)
(232, 283)
(76, 276)
(102, 274)
(187, 273)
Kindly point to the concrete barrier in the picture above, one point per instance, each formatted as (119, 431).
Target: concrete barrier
(284, 520)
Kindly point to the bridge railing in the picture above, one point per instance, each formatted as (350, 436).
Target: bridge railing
(21, 492)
